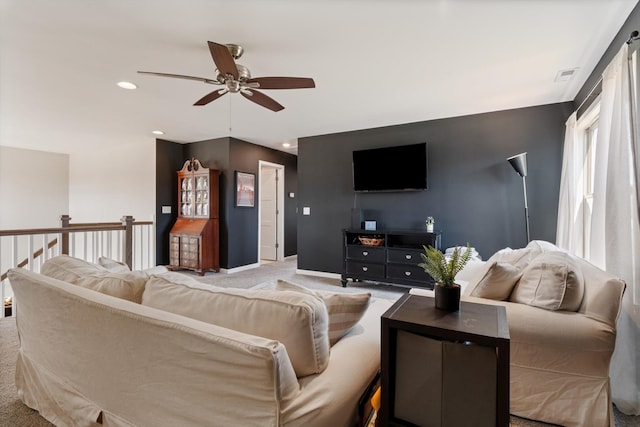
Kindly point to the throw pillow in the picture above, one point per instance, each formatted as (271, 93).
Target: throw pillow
(112, 264)
(553, 281)
(498, 281)
(516, 257)
(298, 321)
(543, 246)
(70, 269)
(345, 310)
(127, 285)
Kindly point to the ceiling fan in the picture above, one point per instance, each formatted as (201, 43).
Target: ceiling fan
(237, 78)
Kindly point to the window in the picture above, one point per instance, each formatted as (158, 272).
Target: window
(587, 142)
(591, 139)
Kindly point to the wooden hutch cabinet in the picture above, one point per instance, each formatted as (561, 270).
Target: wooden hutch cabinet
(194, 238)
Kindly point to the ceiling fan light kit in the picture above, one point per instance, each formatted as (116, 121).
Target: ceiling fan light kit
(237, 78)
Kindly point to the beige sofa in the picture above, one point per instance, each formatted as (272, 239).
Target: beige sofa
(87, 358)
(562, 315)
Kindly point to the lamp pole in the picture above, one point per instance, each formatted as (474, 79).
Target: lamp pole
(519, 164)
(526, 206)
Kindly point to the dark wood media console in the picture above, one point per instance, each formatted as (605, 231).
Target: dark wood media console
(394, 261)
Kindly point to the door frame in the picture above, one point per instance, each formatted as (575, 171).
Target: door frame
(280, 195)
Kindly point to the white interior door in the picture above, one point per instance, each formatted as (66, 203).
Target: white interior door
(268, 213)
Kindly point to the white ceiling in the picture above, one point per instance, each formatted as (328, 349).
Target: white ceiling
(375, 63)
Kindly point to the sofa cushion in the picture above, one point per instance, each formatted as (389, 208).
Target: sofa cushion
(112, 264)
(299, 321)
(553, 280)
(498, 281)
(70, 269)
(345, 310)
(127, 285)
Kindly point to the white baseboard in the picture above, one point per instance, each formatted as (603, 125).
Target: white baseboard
(319, 274)
(239, 269)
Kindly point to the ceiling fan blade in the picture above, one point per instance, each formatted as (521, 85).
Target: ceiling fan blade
(283, 82)
(223, 59)
(261, 99)
(211, 97)
(180, 76)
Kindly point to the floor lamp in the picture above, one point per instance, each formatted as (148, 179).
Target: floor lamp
(519, 163)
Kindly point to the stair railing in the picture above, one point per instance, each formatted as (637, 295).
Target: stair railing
(128, 241)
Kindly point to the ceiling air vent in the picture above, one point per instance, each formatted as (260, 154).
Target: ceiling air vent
(565, 75)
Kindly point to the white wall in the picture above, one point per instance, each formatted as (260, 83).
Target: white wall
(93, 185)
(111, 180)
(34, 188)
(34, 192)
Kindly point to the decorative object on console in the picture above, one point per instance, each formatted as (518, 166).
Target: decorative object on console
(447, 292)
(370, 225)
(519, 163)
(371, 240)
(430, 222)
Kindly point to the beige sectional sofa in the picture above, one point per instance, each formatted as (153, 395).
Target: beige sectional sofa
(90, 357)
(562, 315)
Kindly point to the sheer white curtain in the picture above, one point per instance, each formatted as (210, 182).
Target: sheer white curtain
(615, 228)
(570, 228)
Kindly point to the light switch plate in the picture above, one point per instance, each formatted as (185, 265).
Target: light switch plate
(166, 209)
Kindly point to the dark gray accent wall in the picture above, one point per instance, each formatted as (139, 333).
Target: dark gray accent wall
(169, 159)
(245, 157)
(474, 194)
(238, 226)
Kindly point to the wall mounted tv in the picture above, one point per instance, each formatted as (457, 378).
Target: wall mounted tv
(399, 168)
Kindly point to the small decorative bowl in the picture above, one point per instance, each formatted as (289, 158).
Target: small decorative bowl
(371, 241)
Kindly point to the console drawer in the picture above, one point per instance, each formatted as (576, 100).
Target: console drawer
(407, 272)
(364, 269)
(366, 253)
(404, 256)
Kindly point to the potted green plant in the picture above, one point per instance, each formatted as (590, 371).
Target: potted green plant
(443, 271)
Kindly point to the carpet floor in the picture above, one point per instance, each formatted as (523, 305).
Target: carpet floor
(13, 413)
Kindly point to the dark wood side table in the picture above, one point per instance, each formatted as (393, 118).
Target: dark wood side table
(444, 368)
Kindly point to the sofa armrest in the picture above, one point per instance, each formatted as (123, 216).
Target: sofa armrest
(603, 293)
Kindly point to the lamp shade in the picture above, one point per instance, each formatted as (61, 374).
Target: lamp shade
(519, 163)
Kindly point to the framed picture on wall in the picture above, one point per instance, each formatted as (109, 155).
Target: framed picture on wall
(245, 189)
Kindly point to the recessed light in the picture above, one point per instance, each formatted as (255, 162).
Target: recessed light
(157, 132)
(127, 85)
(286, 145)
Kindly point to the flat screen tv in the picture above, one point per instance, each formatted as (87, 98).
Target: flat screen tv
(399, 168)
